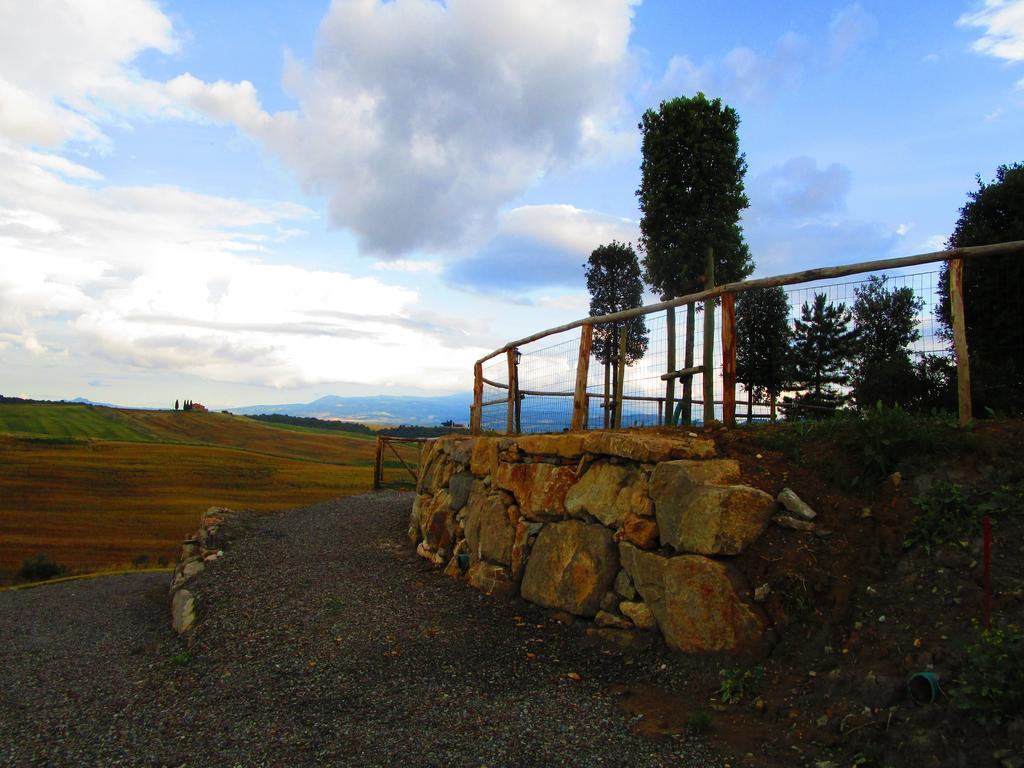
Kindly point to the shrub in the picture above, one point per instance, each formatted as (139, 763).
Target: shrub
(40, 569)
(140, 560)
(946, 515)
(992, 681)
(738, 681)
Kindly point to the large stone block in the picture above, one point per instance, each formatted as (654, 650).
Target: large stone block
(183, 611)
(700, 604)
(677, 478)
(540, 489)
(648, 449)
(459, 486)
(490, 579)
(609, 492)
(437, 522)
(713, 519)
(565, 445)
(641, 531)
(489, 533)
(483, 460)
(571, 566)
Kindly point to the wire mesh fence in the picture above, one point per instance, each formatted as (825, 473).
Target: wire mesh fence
(543, 373)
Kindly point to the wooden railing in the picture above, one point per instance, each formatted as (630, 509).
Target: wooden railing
(388, 442)
(727, 292)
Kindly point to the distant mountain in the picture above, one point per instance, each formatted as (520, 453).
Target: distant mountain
(86, 401)
(376, 409)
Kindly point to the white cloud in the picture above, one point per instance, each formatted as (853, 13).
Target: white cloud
(420, 120)
(848, 28)
(1002, 22)
(567, 227)
(65, 66)
(743, 74)
(994, 115)
(799, 188)
(407, 266)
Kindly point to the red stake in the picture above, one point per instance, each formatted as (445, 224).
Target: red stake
(988, 571)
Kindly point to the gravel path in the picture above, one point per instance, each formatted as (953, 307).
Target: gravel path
(325, 641)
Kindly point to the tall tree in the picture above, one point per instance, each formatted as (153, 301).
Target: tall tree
(762, 344)
(993, 306)
(175, 405)
(822, 343)
(691, 195)
(613, 279)
(887, 324)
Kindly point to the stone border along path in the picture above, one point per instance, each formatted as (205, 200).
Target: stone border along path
(321, 640)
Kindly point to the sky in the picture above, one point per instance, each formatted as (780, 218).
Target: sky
(241, 203)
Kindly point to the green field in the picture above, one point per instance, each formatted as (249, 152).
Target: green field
(94, 488)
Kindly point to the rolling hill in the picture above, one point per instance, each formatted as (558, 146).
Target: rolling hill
(377, 409)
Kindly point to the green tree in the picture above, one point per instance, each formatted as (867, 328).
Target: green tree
(763, 334)
(822, 342)
(691, 195)
(175, 405)
(613, 279)
(887, 324)
(993, 307)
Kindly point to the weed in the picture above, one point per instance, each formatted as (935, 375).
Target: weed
(40, 569)
(739, 681)
(699, 721)
(992, 682)
(946, 515)
(1006, 499)
(181, 659)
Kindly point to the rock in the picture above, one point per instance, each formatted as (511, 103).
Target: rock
(571, 566)
(183, 611)
(190, 548)
(610, 602)
(483, 460)
(565, 445)
(698, 602)
(540, 489)
(489, 533)
(647, 448)
(896, 478)
(426, 470)
(459, 486)
(712, 519)
(461, 451)
(608, 619)
(639, 614)
(490, 579)
(521, 544)
(677, 478)
(796, 505)
(762, 592)
(624, 586)
(437, 522)
(641, 531)
(608, 492)
(793, 523)
(428, 554)
(415, 532)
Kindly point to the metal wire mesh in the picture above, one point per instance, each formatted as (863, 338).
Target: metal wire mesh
(546, 370)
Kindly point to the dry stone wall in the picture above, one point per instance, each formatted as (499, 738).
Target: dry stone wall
(197, 552)
(632, 529)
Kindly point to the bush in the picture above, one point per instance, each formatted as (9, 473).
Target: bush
(992, 682)
(946, 515)
(40, 569)
(140, 560)
(738, 681)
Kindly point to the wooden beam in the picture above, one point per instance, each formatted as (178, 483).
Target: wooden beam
(670, 378)
(475, 413)
(963, 367)
(580, 402)
(709, 338)
(378, 463)
(607, 385)
(621, 368)
(683, 373)
(729, 360)
(790, 278)
(513, 395)
(399, 457)
(691, 321)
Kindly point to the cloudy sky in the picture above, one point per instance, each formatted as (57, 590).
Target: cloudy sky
(267, 202)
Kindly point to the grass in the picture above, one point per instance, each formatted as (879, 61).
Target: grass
(94, 487)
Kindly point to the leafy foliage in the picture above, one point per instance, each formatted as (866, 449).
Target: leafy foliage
(738, 682)
(946, 515)
(691, 195)
(40, 568)
(613, 279)
(886, 323)
(992, 681)
(763, 334)
(993, 308)
(822, 341)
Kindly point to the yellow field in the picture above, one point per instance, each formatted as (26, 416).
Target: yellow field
(91, 503)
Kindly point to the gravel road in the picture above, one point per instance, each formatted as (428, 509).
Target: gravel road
(325, 641)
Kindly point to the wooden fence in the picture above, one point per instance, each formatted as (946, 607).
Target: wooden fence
(412, 468)
(711, 293)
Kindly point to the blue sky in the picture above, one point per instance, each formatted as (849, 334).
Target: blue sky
(268, 202)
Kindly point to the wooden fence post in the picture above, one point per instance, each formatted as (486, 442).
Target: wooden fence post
(607, 387)
(691, 321)
(580, 402)
(621, 367)
(378, 464)
(729, 359)
(709, 340)
(963, 367)
(670, 385)
(478, 399)
(513, 390)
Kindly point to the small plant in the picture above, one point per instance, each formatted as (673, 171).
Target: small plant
(738, 681)
(699, 721)
(885, 436)
(992, 682)
(945, 515)
(40, 569)
(140, 560)
(181, 659)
